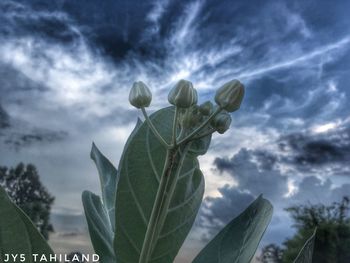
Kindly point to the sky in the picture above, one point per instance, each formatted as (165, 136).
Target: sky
(66, 68)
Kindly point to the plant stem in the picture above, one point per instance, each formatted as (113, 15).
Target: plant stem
(154, 130)
(167, 198)
(180, 134)
(182, 130)
(203, 134)
(187, 138)
(152, 224)
(175, 126)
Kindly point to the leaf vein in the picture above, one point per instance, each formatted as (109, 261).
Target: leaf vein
(189, 218)
(186, 201)
(131, 190)
(148, 150)
(130, 240)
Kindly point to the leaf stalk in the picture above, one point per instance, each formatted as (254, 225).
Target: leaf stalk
(200, 127)
(154, 130)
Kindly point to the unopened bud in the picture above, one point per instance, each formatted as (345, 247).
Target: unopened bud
(230, 95)
(140, 96)
(183, 95)
(221, 123)
(206, 108)
(190, 117)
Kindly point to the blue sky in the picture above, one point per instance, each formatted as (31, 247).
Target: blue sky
(66, 68)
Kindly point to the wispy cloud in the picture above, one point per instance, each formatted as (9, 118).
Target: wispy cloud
(328, 50)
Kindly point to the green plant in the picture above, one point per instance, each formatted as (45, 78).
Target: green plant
(332, 241)
(149, 204)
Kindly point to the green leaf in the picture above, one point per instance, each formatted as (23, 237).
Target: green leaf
(18, 235)
(238, 241)
(100, 215)
(108, 176)
(305, 254)
(100, 228)
(140, 169)
(200, 147)
(108, 179)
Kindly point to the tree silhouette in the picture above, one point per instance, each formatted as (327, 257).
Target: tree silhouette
(332, 240)
(271, 254)
(23, 186)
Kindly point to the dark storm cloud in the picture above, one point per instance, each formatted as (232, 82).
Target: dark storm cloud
(17, 140)
(11, 135)
(119, 26)
(312, 189)
(255, 171)
(316, 158)
(19, 133)
(215, 212)
(14, 85)
(234, 203)
(47, 69)
(341, 191)
(203, 34)
(306, 151)
(4, 118)
(20, 19)
(116, 26)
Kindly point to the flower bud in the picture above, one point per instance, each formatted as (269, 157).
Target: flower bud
(140, 96)
(230, 95)
(183, 95)
(206, 108)
(221, 122)
(190, 117)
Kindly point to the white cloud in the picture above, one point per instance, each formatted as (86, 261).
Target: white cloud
(326, 127)
(298, 60)
(159, 7)
(186, 26)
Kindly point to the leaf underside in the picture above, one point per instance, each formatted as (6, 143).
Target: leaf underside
(239, 239)
(100, 229)
(140, 169)
(18, 235)
(108, 179)
(100, 214)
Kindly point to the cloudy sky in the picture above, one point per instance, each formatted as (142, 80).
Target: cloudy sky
(66, 68)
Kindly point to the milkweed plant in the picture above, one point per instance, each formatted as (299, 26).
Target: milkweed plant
(150, 202)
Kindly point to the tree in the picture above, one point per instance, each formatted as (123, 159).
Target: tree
(23, 186)
(271, 254)
(332, 242)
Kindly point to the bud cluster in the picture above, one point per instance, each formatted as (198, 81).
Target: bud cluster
(191, 118)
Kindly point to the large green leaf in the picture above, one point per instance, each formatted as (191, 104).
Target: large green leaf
(108, 179)
(100, 228)
(238, 241)
(100, 214)
(109, 176)
(18, 235)
(305, 254)
(140, 169)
